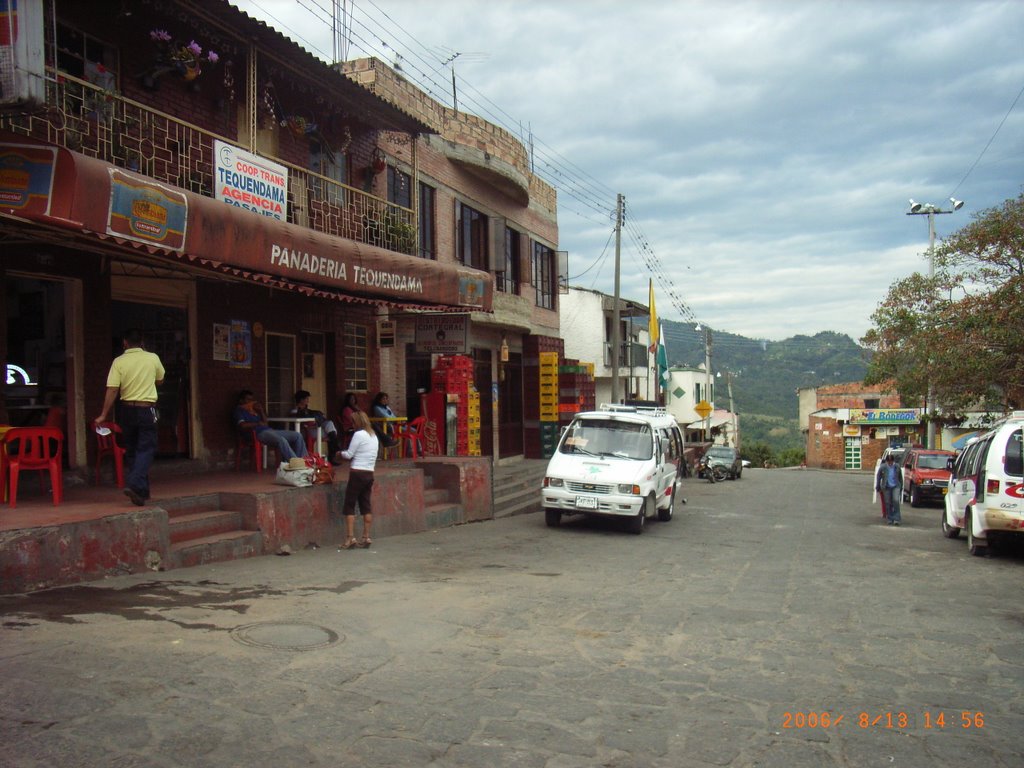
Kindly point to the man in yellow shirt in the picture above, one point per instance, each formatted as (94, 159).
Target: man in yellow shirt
(134, 376)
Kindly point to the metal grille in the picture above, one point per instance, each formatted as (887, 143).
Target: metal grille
(590, 488)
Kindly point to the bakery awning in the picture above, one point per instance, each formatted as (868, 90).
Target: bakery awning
(56, 187)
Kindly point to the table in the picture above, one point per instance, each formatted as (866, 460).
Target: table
(383, 422)
(27, 415)
(295, 424)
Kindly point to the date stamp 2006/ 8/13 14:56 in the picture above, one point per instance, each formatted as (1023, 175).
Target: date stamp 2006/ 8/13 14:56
(894, 719)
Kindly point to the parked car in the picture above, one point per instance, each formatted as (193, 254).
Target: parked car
(621, 461)
(996, 508)
(962, 485)
(925, 475)
(726, 457)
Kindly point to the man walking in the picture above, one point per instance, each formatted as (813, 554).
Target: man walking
(134, 376)
(889, 484)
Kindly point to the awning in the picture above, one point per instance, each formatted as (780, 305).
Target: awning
(67, 190)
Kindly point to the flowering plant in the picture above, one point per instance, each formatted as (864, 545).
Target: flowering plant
(188, 59)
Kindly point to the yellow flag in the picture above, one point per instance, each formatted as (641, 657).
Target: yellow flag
(652, 321)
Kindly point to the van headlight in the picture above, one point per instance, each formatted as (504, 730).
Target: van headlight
(631, 490)
(553, 482)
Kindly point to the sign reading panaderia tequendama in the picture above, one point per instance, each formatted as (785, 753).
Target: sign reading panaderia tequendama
(885, 416)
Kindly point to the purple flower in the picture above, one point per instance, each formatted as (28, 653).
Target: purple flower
(160, 35)
(212, 57)
(195, 48)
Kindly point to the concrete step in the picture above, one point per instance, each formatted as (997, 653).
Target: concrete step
(517, 488)
(443, 515)
(217, 548)
(199, 525)
(433, 496)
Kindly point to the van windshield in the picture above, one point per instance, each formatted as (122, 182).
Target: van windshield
(608, 437)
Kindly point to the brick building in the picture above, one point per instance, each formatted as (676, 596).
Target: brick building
(848, 426)
(270, 221)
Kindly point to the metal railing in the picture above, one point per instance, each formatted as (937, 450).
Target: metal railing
(86, 119)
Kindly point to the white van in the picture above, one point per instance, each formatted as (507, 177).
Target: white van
(986, 492)
(620, 461)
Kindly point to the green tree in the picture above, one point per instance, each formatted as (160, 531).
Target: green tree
(961, 331)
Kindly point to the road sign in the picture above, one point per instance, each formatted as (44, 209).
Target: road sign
(703, 409)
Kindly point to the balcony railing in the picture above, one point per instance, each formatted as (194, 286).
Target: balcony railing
(130, 135)
(631, 355)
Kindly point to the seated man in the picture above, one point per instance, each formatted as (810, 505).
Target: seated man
(303, 411)
(249, 415)
(381, 409)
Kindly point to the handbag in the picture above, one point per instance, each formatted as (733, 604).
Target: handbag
(295, 477)
(323, 472)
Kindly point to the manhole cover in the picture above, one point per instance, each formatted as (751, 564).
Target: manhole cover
(285, 636)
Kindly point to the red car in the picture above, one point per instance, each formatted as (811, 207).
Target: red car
(926, 475)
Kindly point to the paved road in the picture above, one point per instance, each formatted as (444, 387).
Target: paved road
(718, 639)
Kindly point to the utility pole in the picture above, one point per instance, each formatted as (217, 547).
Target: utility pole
(732, 410)
(616, 333)
(707, 382)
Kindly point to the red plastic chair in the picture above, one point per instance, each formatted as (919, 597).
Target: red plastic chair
(107, 445)
(247, 441)
(32, 448)
(412, 437)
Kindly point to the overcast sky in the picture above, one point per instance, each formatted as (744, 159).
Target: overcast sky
(766, 150)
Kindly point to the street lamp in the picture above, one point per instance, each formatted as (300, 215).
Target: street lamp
(931, 211)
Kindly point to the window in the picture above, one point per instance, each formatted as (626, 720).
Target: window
(334, 167)
(871, 402)
(85, 57)
(471, 237)
(506, 279)
(356, 356)
(426, 221)
(399, 187)
(280, 373)
(544, 275)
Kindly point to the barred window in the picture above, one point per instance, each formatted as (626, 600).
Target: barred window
(356, 358)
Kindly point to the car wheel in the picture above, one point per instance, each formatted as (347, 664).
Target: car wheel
(552, 517)
(636, 525)
(666, 514)
(978, 548)
(949, 531)
(915, 496)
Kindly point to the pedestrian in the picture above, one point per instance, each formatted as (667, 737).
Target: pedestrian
(889, 484)
(134, 376)
(302, 410)
(349, 407)
(363, 453)
(249, 415)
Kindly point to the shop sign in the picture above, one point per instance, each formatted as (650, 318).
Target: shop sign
(884, 416)
(443, 334)
(26, 178)
(250, 182)
(851, 430)
(145, 211)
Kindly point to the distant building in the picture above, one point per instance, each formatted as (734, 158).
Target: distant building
(848, 426)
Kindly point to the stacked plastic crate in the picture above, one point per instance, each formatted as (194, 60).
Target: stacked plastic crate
(575, 389)
(549, 405)
(454, 376)
(534, 425)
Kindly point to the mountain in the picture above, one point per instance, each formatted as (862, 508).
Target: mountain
(766, 375)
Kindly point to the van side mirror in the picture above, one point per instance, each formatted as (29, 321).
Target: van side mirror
(949, 464)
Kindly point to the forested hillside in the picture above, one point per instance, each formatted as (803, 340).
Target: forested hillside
(767, 374)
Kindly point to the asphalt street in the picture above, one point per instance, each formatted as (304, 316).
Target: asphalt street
(775, 621)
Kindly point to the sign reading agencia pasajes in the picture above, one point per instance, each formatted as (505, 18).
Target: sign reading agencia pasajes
(884, 416)
(250, 182)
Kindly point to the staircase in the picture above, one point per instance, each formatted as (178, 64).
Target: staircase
(202, 532)
(517, 486)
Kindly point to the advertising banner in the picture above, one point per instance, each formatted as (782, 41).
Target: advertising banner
(884, 416)
(250, 182)
(443, 334)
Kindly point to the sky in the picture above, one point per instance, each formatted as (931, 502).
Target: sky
(766, 150)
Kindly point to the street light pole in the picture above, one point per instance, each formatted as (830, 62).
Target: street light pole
(929, 210)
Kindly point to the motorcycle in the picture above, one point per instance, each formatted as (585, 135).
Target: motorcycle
(714, 473)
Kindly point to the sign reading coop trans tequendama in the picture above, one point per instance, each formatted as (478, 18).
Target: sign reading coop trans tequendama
(250, 182)
(884, 416)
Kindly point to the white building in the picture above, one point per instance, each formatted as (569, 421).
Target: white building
(585, 318)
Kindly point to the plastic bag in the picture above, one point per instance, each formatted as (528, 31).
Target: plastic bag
(297, 478)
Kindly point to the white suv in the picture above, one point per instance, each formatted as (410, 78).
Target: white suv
(987, 487)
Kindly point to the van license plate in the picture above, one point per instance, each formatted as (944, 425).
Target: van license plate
(586, 502)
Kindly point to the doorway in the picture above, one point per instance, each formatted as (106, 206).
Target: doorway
(165, 330)
(482, 382)
(510, 410)
(852, 452)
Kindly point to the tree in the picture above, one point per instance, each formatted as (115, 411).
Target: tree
(961, 331)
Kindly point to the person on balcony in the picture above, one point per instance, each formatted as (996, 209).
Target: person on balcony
(303, 411)
(249, 415)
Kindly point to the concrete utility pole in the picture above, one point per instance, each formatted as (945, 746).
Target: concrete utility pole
(707, 382)
(616, 335)
(732, 410)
